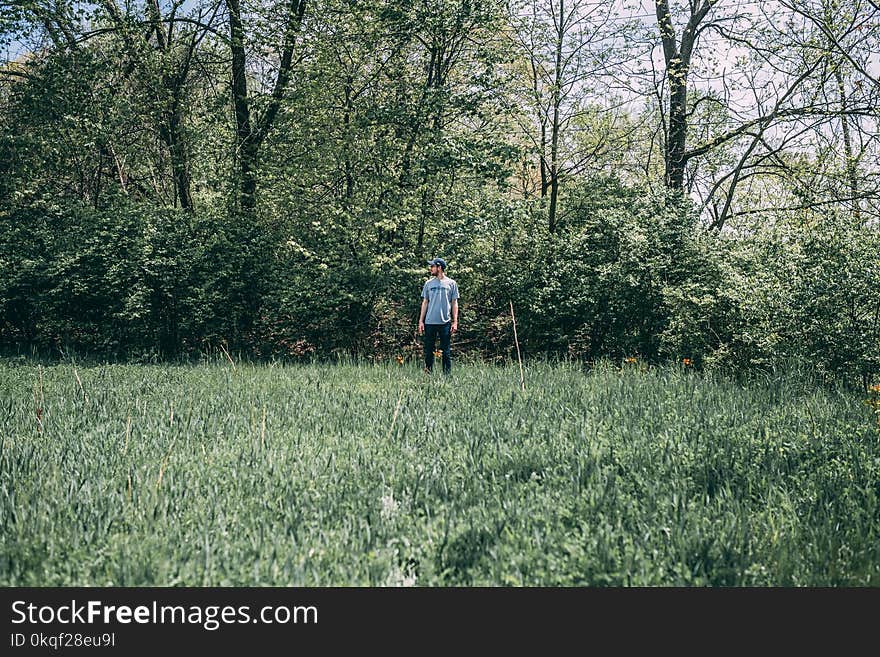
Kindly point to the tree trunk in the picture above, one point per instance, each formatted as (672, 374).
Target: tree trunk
(677, 58)
(171, 132)
(555, 127)
(677, 132)
(247, 184)
(851, 172)
(250, 132)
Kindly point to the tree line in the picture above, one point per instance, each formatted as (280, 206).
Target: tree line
(694, 179)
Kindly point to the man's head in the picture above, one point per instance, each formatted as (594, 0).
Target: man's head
(437, 264)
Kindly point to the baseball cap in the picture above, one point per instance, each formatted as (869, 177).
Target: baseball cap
(438, 261)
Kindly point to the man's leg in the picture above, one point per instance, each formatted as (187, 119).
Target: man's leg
(445, 347)
(430, 338)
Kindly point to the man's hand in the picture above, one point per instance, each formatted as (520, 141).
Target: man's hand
(421, 327)
(454, 326)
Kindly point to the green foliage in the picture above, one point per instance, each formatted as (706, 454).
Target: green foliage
(805, 290)
(129, 281)
(376, 475)
(595, 288)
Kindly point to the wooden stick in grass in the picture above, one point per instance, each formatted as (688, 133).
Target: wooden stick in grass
(232, 362)
(79, 381)
(522, 376)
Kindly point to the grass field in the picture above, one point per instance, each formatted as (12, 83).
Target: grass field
(377, 475)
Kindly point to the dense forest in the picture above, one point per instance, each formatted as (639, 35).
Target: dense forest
(678, 180)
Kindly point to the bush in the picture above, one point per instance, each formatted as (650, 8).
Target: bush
(806, 290)
(124, 281)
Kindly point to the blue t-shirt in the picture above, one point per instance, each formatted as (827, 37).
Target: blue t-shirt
(440, 294)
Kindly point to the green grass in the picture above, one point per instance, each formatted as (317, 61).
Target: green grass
(377, 475)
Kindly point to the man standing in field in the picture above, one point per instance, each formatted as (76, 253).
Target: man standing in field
(439, 314)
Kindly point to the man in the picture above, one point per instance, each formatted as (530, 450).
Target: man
(439, 315)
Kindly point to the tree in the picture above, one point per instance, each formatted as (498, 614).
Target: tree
(770, 99)
(811, 139)
(677, 56)
(160, 54)
(848, 33)
(567, 46)
(251, 128)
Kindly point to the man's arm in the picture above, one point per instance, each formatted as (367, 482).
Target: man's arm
(422, 316)
(454, 315)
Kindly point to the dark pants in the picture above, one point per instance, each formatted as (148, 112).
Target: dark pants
(444, 332)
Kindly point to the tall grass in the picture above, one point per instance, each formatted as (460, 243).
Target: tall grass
(358, 474)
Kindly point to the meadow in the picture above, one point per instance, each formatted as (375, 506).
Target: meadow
(374, 474)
